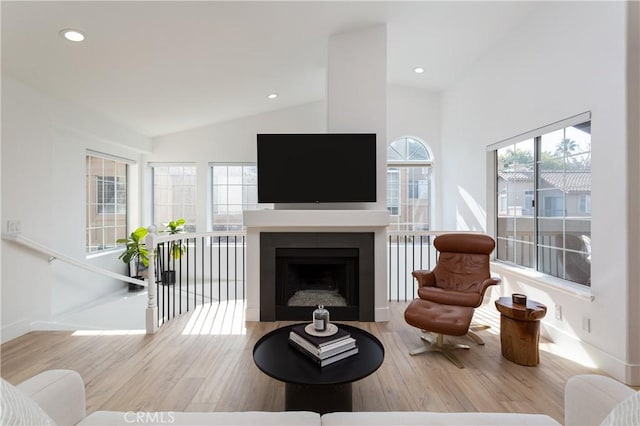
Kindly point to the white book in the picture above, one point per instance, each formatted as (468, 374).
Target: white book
(325, 351)
(324, 361)
(338, 357)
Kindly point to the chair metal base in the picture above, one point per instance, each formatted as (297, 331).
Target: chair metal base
(473, 335)
(438, 345)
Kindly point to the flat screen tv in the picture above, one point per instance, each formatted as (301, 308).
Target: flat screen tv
(316, 168)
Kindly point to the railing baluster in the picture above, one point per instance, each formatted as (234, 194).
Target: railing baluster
(235, 267)
(244, 281)
(389, 267)
(405, 268)
(179, 273)
(219, 269)
(413, 263)
(202, 280)
(210, 270)
(195, 269)
(398, 266)
(173, 291)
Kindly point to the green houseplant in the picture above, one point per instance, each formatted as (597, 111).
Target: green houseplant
(176, 248)
(136, 252)
(175, 227)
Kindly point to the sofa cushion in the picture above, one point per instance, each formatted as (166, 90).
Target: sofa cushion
(60, 393)
(408, 418)
(246, 418)
(589, 398)
(626, 412)
(19, 409)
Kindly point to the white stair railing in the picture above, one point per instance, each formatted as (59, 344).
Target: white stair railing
(56, 255)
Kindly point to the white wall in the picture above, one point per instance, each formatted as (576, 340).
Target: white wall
(44, 144)
(230, 141)
(415, 112)
(357, 94)
(567, 59)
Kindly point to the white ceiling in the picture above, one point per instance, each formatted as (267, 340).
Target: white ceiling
(162, 67)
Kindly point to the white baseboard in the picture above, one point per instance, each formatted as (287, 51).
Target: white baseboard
(587, 354)
(13, 330)
(252, 314)
(382, 314)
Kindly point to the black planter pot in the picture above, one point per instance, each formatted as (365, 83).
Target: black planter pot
(168, 278)
(136, 287)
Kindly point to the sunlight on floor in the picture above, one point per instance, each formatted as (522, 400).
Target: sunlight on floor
(575, 354)
(487, 315)
(218, 318)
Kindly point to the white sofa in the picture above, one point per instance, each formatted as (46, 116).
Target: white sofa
(61, 395)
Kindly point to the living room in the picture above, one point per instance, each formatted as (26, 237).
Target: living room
(554, 61)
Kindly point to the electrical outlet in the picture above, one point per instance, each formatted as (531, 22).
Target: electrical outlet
(586, 324)
(13, 226)
(559, 312)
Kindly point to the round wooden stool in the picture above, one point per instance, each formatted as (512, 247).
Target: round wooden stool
(520, 330)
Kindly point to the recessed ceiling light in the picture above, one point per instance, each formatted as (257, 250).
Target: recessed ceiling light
(418, 70)
(71, 34)
(272, 95)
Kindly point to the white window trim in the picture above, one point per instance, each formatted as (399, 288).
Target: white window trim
(112, 157)
(550, 281)
(567, 122)
(116, 158)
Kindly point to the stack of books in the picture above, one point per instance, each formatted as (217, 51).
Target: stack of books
(323, 350)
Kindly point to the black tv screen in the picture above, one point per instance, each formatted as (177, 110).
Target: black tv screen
(316, 168)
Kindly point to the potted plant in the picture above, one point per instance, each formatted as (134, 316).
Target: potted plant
(136, 252)
(176, 249)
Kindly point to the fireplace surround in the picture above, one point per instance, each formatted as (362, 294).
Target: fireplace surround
(293, 221)
(299, 270)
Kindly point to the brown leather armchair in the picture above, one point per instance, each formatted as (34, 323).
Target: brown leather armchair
(461, 275)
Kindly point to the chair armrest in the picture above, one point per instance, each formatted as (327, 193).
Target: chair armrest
(425, 278)
(489, 282)
(589, 398)
(60, 393)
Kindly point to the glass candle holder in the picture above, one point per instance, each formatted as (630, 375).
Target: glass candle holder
(320, 318)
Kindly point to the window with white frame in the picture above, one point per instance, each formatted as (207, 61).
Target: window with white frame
(543, 200)
(234, 188)
(106, 202)
(409, 163)
(174, 195)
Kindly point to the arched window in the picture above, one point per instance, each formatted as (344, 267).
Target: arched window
(409, 163)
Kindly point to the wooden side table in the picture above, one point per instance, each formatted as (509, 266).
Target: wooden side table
(520, 330)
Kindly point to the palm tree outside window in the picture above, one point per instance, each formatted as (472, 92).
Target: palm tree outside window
(544, 200)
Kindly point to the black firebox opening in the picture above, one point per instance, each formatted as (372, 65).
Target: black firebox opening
(310, 277)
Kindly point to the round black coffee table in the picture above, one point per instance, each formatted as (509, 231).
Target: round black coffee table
(309, 387)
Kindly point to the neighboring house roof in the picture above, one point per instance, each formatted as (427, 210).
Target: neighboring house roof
(569, 180)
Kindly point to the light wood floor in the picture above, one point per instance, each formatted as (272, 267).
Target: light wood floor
(203, 362)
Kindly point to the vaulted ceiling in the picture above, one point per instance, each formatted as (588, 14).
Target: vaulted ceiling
(162, 67)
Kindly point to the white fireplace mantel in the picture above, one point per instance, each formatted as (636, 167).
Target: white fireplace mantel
(313, 218)
(257, 221)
